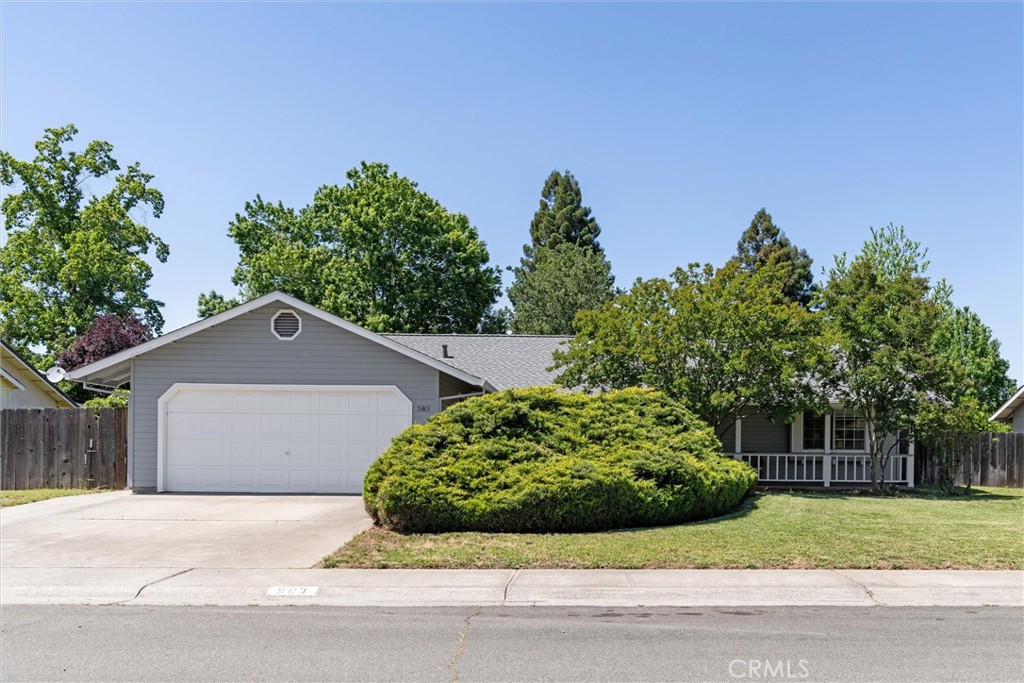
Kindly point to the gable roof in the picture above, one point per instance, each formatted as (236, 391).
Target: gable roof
(1006, 411)
(33, 375)
(116, 369)
(507, 361)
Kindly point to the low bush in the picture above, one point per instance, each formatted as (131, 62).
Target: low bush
(540, 460)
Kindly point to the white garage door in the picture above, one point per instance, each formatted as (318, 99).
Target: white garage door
(270, 439)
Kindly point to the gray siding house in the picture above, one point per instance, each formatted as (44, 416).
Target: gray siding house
(276, 395)
(1012, 412)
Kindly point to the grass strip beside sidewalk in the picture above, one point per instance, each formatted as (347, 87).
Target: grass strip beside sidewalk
(9, 498)
(772, 529)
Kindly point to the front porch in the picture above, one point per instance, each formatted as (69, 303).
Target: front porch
(825, 469)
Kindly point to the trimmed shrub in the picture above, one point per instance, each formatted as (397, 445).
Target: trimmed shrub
(540, 460)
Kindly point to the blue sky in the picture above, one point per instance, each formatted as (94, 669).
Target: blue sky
(679, 120)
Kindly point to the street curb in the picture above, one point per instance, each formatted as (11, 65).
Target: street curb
(505, 587)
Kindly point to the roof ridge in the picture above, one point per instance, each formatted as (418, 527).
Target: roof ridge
(473, 335)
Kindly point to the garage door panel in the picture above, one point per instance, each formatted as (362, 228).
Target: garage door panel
(244, 426)
(273, 454)
(390, 424)
(273, 402)
(216, 426)
(332, 427)
(362, 427)
(304, 455)
(183, 478)
(244, 480)
(331, 456)
(215, 454)
(303, 402)
(184, 425)
(302, 481)
(273, 426)
(362, 404)
(303, 426)
(264, 439)
(332, 482)
(335, 404)
(215, 479)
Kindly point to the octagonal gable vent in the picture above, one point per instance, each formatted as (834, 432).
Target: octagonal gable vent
(286, 325)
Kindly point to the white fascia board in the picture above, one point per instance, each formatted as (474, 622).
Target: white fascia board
(94, 368)
(12, 379)
(1006, 410)
(38, 378)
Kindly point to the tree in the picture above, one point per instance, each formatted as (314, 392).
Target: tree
(728, 343)
(565, 280)
(376, 251)
(880, 317)
(561, 218)
(964, 342)
(71, 258)
(971, 383)
(763, 242)
(109, 334)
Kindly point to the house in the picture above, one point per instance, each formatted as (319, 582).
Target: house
(22, 386)
(1012, 412)
(276, 395)
(816, 450)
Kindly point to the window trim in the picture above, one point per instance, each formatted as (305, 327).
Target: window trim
(862, 449)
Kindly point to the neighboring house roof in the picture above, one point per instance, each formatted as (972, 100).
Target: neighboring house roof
(1006, 411)
(116, 369)
(17, 370)
(506, 360)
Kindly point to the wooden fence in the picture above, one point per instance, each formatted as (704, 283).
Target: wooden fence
(63, 448)
(990, 459)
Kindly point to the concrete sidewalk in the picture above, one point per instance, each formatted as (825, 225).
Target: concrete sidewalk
(499, 587)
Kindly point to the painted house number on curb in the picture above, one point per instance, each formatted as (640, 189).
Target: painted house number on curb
(308, 591)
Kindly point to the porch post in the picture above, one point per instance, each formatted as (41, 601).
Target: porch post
(910, 465)
(739, 435)
(826, 459)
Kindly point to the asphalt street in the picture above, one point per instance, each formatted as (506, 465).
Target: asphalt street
(135, 643)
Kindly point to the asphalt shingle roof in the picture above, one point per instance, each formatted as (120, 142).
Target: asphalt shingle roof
(506, 361)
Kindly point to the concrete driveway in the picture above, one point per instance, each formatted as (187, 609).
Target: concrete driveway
(120, 529)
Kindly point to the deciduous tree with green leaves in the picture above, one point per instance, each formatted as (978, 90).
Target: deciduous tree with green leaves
(566, 279)
(728, 343)
(376, 251)
(72, 256)
(763, 242)
(880, 318)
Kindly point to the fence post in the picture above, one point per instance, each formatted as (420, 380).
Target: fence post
(826, 464)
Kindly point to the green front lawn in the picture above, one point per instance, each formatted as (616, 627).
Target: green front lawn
(772, 529)
(8, 498)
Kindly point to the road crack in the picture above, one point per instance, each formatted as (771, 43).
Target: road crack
(460, 647)
(504, 594)
(147, 585)
(858, 584)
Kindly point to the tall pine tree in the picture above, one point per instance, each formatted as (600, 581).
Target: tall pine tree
(563, 270)
(763, 243)
(561, 218)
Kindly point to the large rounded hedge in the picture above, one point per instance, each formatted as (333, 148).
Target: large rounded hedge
(547, 460)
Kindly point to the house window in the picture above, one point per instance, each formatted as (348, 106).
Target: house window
(814, 432)
(847, 431)
(904, 445)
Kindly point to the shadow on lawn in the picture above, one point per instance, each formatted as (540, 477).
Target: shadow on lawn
(962, 495)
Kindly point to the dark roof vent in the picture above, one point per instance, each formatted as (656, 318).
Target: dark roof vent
(444, 352)
(286, 325)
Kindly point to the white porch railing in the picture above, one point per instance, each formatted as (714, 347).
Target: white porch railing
(825, 469)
